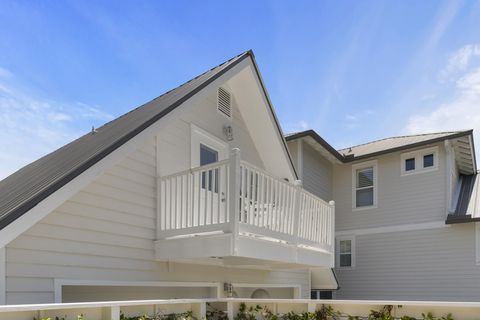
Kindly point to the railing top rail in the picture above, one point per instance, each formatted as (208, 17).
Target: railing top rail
(77, 305)
(316, 197)
(196, 169)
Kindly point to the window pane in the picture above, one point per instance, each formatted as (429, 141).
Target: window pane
(428, 160)
(410, 164)
(345, 260)
(365, 177)
(325, 294)
(364, 197)
(207, 155)
(345, 246)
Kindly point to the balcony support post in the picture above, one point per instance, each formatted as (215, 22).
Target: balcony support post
(234, 193)
(296, 211)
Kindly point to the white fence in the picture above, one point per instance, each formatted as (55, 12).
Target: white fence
(235, 196)
(199, 307)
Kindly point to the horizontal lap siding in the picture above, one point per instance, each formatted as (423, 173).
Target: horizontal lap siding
(436, 264)
(409, 199)
(317, 173)
(105, 232)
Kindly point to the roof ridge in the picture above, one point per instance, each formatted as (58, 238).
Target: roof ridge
(402, 136)
(177, 87)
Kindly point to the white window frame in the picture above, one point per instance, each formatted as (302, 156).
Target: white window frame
(359, 166)
(337, 251)
(200, 136)
(418, 156)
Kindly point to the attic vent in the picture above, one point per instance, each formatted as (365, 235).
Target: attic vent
(224, 104)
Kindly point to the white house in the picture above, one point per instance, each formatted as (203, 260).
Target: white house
(406, 214)
(191, 195)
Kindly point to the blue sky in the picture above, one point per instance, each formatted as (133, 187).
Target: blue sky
(354, 71)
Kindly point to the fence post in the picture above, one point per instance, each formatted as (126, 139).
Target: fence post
(332, 233)
(234, 193)
(296, 210)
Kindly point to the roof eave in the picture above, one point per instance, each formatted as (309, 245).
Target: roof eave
(409, 146)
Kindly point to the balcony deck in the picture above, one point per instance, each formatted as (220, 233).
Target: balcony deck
(233, 213)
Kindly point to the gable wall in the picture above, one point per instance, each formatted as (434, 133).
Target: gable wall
(105, 232)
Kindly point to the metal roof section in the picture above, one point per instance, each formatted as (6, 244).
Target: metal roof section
(468, 201)
(461, 141)
(27, 187)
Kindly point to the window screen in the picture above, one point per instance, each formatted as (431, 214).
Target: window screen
(410, 164)
(364, 187)
(428, 160)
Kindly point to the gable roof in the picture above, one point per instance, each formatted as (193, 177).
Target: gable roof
(399, 143)
(33, 183)
(379, 147)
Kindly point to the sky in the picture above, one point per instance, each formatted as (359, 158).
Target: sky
(354, 71)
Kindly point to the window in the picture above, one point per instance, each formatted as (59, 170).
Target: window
(364, 185)
(345, 252)
(207, 156)
(428, 160)
(321, 294)
(410, 164)
(419, 161)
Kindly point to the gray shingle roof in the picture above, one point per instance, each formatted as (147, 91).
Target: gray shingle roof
(25, 188)
(394, 143)
(378, 147)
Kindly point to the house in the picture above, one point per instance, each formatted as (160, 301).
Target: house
(191, 195)
(407, 212)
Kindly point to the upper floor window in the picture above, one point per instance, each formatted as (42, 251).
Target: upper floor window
(364, 185)
(419, 161)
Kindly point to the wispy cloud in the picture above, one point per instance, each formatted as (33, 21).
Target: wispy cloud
(462, 108)
(301, 125)
(355, 121)
(31, 126)
(460, 60)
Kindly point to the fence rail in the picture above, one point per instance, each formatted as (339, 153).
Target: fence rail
(111, 310)
(235, 196)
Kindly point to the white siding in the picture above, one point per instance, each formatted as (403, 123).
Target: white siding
(436, 264)
(106, 231)
(317, 173)
(401, 199)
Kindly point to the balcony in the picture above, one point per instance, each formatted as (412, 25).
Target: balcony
(233, 213)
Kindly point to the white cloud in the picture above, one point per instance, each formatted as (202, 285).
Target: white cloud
(461, 112)
(460, 60)
(32, 127)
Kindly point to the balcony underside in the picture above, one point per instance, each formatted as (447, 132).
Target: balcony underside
(240, 251)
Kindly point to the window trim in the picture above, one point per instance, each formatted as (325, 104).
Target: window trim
(418, 156)
(359, 166)
(337, 252)
(200, 136)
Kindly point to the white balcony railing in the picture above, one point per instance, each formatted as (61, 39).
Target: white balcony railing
(233, 196)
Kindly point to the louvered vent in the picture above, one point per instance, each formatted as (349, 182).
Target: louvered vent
(224, 104)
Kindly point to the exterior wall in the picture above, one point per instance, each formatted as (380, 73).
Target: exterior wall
(435, 264)
(106, 231)
(317, 173)
(408, 199)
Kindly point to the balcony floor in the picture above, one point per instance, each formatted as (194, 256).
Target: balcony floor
(241, 251)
